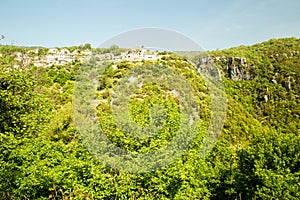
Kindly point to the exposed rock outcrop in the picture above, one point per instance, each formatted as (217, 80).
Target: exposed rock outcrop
(205, 66)
(235, 68)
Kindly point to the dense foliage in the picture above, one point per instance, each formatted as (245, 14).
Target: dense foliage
(256, 157)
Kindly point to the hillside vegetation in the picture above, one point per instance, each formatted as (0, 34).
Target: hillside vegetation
(256, 157)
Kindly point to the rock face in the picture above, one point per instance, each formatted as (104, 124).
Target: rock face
(205, 61)
(205, 66)
(236, 68)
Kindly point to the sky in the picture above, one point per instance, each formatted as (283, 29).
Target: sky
(212, 24)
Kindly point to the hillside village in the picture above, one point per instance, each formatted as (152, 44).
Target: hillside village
(54, 56)
(63, 56)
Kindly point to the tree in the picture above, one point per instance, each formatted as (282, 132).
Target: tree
(269, 168)
(87, 46)
(114, 47)
(22, 114)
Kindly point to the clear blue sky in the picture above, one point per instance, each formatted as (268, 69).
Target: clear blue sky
(213, 24)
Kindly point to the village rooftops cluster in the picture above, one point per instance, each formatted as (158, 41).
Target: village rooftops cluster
(63, 56)
(53, 57)
(138, 54)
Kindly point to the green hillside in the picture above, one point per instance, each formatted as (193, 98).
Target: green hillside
(43, 154)
(271, 92)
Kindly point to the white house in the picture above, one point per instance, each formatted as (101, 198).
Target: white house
(24, 58)
(151, 57)
(19, 56)
(139, 55)
(106, 56)
(86, 52)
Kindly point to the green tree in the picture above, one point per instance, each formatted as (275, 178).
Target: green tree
(269, 168)
(22, 115)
